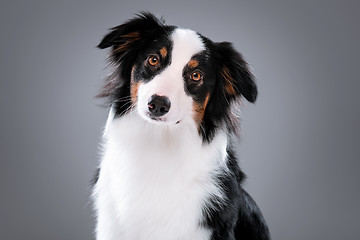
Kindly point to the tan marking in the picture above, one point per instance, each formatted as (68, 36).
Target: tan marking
(229, 81)
(134, 91)
(122, 47)
(199, 110)
(134, 87)
(193, 63)
(163, 52)
(129, 39)
(132, 35)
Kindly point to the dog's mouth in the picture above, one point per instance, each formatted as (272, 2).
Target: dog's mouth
(160, 120)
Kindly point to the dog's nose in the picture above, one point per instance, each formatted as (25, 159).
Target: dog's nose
(158, 105)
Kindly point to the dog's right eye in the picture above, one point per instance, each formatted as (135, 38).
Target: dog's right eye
(153, 60)
(196, 76)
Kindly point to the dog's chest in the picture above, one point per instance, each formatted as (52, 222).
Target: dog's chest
(158, 180)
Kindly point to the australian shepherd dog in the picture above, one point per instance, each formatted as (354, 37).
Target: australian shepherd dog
(168, 168)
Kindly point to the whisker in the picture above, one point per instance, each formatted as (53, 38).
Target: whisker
(200, 125)
(127, 109)
(123, 99)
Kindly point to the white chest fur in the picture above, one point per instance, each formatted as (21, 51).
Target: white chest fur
(154, 180)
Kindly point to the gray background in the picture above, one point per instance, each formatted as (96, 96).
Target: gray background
(300, 141)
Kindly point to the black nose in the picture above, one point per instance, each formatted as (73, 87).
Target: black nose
(158, 105)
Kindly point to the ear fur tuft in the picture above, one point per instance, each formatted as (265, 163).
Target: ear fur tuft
(235, 73)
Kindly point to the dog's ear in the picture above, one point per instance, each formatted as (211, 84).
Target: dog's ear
(234, 73)
(132, 35)
(127, 41)
(233, 80)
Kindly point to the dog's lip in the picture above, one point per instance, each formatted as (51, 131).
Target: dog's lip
(157, 119)
(161, 119)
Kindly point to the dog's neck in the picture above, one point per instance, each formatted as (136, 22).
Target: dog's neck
(180, 142)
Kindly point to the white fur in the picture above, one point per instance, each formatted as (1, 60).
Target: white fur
(155, 180)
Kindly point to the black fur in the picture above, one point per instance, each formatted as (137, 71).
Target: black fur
(238, 217)
(95, 177)
(228, 78)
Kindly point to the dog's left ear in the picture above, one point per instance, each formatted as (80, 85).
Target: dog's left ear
(234, 73)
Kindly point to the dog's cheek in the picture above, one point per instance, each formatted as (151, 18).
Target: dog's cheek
(134, 89)
(199, 109)
(141, 97)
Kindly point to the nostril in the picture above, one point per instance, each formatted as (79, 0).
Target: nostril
(158, 105)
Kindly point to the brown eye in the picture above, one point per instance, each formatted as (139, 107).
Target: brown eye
(153, 60)
(196, 76)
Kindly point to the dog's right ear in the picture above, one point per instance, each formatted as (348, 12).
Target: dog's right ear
(132, 35)
(127, 41)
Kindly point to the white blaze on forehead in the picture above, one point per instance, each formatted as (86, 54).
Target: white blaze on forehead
(186, 43)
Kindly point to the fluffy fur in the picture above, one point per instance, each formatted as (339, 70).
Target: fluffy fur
(168, 169)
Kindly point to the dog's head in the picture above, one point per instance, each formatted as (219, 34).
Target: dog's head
(170, 75)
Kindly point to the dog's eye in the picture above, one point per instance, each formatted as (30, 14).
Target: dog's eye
(196, 76)
(153, 60)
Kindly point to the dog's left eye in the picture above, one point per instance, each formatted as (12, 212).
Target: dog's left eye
(153, 60)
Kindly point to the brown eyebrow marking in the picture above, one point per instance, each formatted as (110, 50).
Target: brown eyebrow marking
(163, 52)
(193, 63)
(229, 81)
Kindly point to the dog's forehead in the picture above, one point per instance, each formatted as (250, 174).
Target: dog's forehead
(186, 43)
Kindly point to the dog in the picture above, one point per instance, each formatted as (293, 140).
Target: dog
(168, 169)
